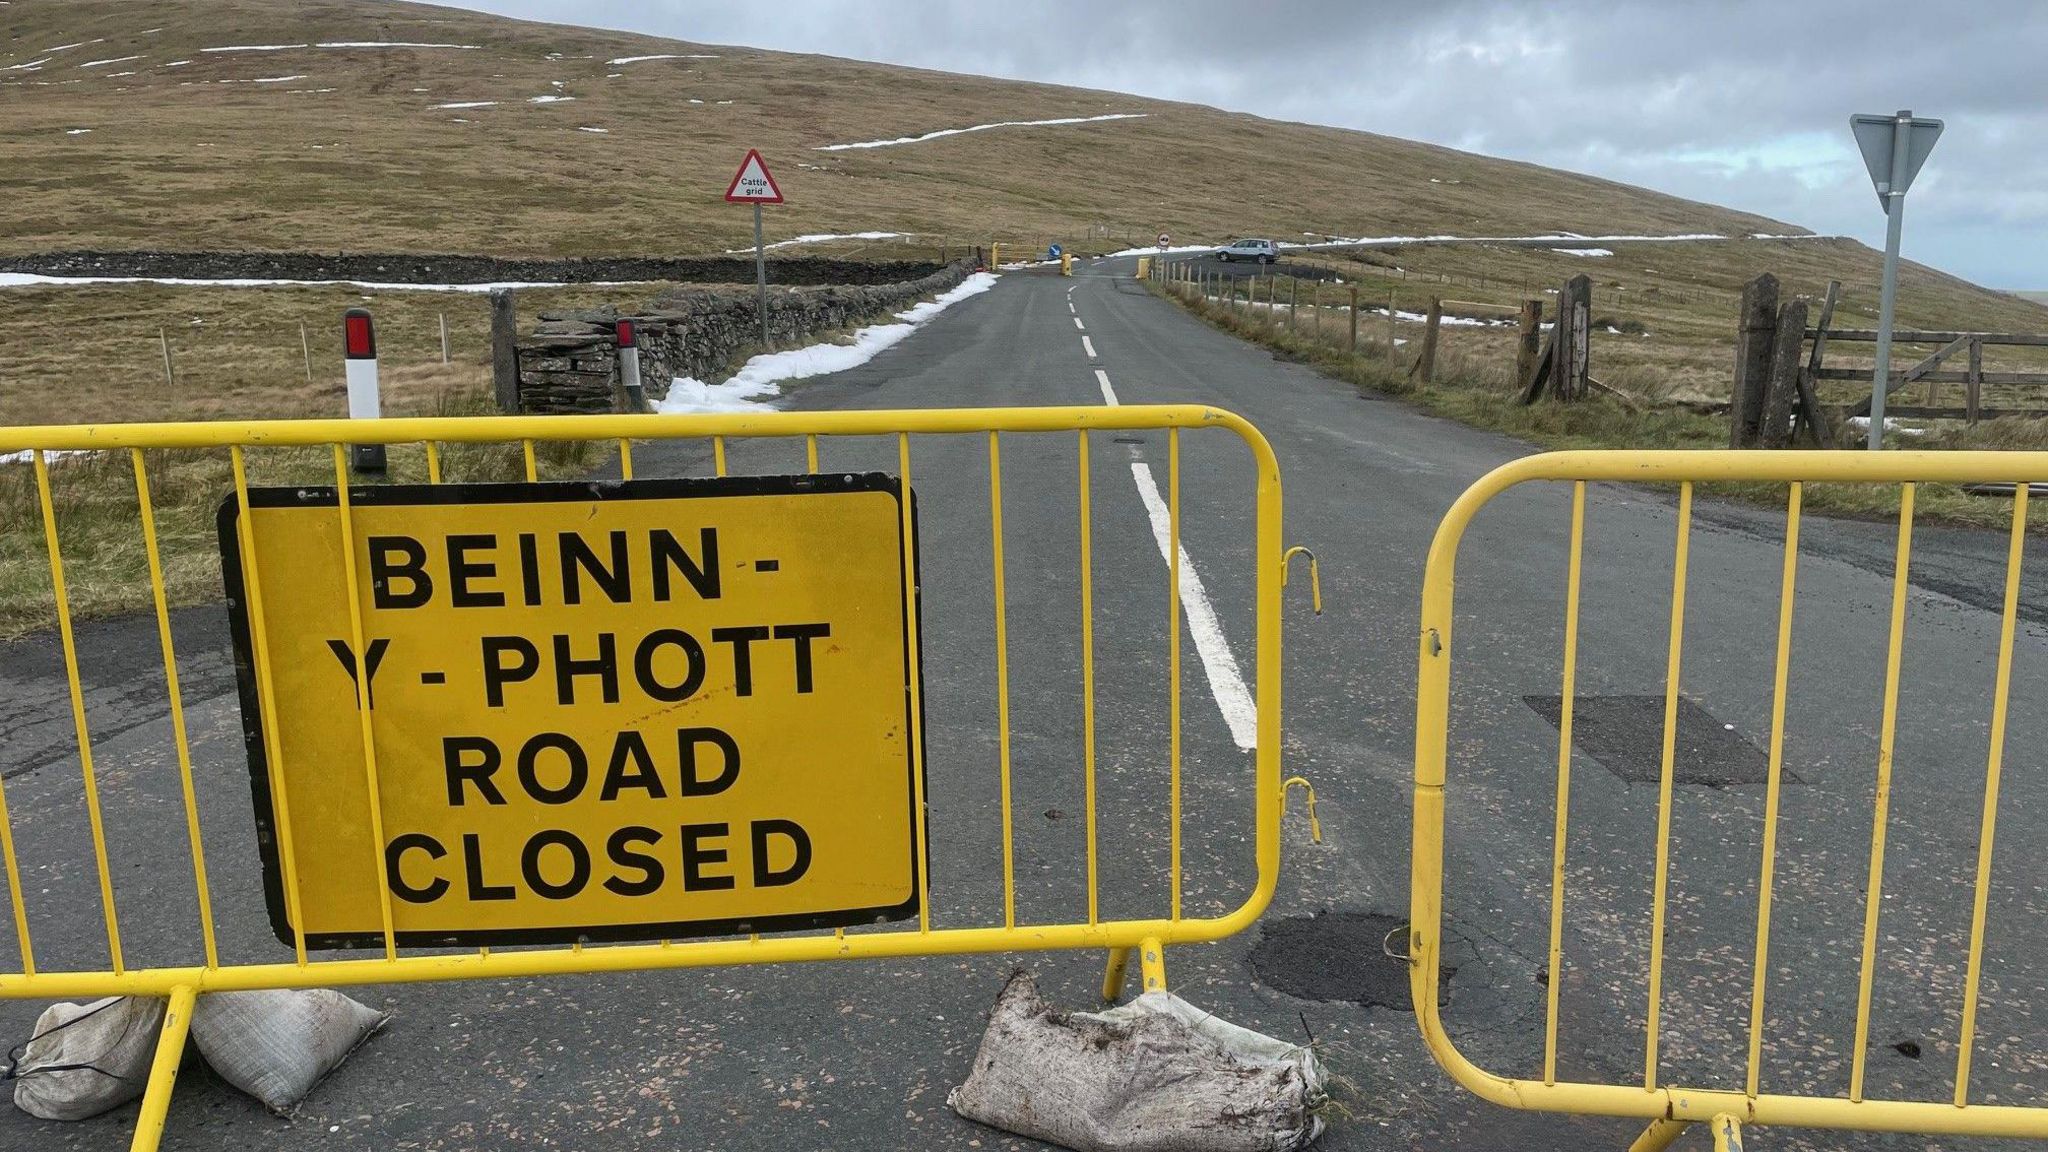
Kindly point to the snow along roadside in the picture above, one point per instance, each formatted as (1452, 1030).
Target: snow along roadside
(759, 380)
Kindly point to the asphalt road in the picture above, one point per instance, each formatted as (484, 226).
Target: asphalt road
(862, 1054)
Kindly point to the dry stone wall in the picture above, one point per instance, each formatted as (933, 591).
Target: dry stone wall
(569, 363)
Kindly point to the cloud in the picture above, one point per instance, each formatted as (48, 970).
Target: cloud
(1739, 102)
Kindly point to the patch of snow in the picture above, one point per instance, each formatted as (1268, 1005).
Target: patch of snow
(459, 120)
(313, 91)
(599, 131)
(934, 135)
(1890, 425)
(115, 60)
(29, 66)
(1389, 241)
(49, 455)
(1583, 251)
(694, 100)
(550, 99)
(470, 104)
(76, 131)
(80, 44)
(554, 83)
(255, 47)
(758, 381)
(149, 32)
(662, 56)
(177, 63)
(394, 44)
(33, 280)
(819, 238)
(613, 75)
(265, 80)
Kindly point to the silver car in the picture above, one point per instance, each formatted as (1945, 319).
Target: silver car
(1258, 251)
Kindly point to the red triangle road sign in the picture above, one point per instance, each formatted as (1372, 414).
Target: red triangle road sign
(752, 184)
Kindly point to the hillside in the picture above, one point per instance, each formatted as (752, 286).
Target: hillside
(127, 126)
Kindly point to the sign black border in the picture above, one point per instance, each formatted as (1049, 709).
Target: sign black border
(400, 495)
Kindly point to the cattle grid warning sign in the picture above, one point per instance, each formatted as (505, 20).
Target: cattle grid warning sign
(614, 711)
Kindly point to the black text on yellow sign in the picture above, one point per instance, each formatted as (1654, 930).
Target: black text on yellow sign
(608, 711)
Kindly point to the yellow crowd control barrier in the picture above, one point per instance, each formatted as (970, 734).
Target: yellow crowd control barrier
(380, 896)
(1670, 1108)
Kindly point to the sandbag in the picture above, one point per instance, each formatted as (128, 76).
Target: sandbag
(86, 1058)
(1155, 1075)
(275, 1045)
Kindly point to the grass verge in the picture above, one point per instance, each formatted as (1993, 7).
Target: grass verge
(1478, 392)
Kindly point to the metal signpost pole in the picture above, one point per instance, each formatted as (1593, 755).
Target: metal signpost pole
(1893, 149)
(761, 273)
(1895, 213)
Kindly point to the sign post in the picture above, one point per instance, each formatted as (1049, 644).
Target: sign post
(753, 185)
(1894, 148)
(359, 350)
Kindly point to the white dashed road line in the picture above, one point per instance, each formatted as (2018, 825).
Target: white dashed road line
(1226, 680)
(1088, 346)
(1108, 393)
(1078, 324)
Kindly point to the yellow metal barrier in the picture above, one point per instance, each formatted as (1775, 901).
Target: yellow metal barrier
(207, 972)
(1669, 1109)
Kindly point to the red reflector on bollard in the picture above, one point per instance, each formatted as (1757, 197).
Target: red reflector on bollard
(628, 336)
(359, 340)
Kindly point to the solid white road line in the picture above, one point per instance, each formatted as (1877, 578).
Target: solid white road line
(1078, 324)
(1108, 393)
(1226, 682)
(1088, 346)
(1070, 305)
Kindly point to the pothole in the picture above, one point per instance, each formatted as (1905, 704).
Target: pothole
(1339, 957)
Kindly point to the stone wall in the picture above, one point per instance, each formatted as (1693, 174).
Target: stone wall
(426, 268)
(570, 362)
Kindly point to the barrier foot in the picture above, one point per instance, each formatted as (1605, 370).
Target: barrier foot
(1113, 975)
(1152, 963)
(1727, 1133)
(1659, 1135)
(163, 1071)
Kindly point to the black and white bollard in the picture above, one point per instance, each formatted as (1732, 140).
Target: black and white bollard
(629, 366)
(359, 348)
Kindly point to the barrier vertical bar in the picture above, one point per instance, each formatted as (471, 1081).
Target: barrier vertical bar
(910, 608)
(176, 699)
(78, 725)
(526, 450)
(433, 463)
(625, 458)
(1669, 762)
(163, 1070)
(811, 453)
(352, 585)
(1567, 699)
(20, 908)
(1087, 671)
(1988, 825)
(266, 692)
(1774, 786)
(718, 457)
(1173, 660)
(995, 503)
(1888, 729)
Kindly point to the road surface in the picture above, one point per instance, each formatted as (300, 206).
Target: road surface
(862, 1055)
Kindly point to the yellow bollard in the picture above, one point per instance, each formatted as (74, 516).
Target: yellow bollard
(995, 254)
(1066, 264)
(1144, 267)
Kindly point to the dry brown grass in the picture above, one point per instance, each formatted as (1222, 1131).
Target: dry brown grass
(176, 159)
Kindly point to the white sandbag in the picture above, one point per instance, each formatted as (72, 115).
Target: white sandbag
(276, 1045)
(1155, 1075)
(86, 1058)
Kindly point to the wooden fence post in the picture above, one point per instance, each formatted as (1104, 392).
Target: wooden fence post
(444, 337)
(1774, 426)
(1568, 347)
(1813, 419)
(1426, 363)
(163, 340)
(1293, 303)
(1755, 333)
(1354, 319)
(306, 347)
(1390, 322)
(1529, 343)
(1974, 387)
(504, 350)
(1315, 307)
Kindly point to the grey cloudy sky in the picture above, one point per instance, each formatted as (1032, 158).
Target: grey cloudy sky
(1738, 102)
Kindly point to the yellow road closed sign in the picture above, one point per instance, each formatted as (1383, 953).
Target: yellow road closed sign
(610, 711)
